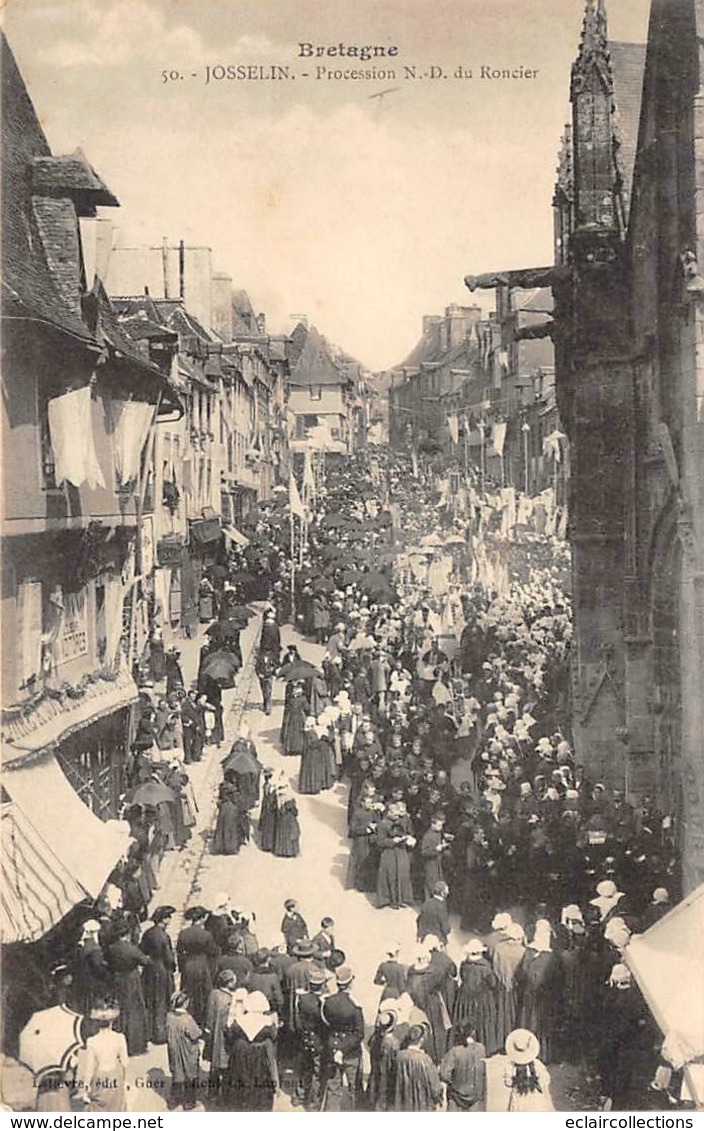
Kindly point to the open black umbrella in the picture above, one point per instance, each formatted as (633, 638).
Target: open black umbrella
(221, 667)
(152, 793)
(298, 669)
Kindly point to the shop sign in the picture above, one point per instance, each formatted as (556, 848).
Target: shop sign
(168, 552)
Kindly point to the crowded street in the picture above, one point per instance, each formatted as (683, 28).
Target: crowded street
(409, 732)
(352, 595)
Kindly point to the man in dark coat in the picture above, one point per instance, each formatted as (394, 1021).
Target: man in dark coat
(432, 847)
(158, 974)
(197, 953)
(193, 724)
(124, 960)
(298, 978)
(311, 1036)
(343, 1046)
(434, 917)
(293, 925)
(266, 667)
(270, 642)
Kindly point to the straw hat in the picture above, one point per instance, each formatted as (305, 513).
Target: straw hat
(522, 1046)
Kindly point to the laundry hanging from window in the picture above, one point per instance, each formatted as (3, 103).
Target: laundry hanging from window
(131, 421)
(72, 439)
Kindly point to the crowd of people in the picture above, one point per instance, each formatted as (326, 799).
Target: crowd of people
(443, 701)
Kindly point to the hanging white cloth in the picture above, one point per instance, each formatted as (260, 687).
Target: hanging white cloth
(131, 421)
(72, 441)
(114, 602)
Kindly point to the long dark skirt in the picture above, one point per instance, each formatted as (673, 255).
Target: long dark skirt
(316, 767)
(197, 982)
(267, 822)
(133, 1014)
(292, 728)
(249, 1085)
(394, 881)
(157, 986)
(228, 837)
(287, 840)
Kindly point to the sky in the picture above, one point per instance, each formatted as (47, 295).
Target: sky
(363, 213)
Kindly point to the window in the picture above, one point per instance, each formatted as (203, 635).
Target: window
(316, 393)
(48, 464)
(29, 624)
(93, 760)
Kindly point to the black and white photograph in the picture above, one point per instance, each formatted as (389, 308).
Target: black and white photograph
(352, 557)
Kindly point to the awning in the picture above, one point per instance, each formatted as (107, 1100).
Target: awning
(60, 828)
(54, 719)
(667, 964)
(37, 889)
(234, 536)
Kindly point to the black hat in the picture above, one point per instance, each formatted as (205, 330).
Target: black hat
(304, 948)
(162, 913)
(196, 913)
(336, 959)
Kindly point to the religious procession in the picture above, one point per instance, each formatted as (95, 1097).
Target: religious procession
(352, 710)
(423, 689)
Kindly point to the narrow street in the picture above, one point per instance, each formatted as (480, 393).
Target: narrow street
(260, 882)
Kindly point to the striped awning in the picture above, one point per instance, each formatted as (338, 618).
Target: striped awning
(37, 889)
(55, 850)
(32, 730)
(235, 536)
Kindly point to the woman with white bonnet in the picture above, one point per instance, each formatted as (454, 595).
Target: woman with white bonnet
(571, 944)
(539, 986)
(607, 899)
(391, 974)
(499, 925)
(475, 1002)
(507, 959)
(252, 1078)
(527, 1077)
(627, 1037)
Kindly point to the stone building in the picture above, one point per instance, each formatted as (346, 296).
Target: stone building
(80, 400)
(629, 359)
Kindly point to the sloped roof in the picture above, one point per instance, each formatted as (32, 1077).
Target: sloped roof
(627, 69)
(538, 299)
(29, 286)
(71, 175)
(430, 350)
(315, 365)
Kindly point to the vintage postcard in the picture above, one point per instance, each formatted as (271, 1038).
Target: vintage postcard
(353, 557)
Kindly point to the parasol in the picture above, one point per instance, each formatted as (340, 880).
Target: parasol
(298, 669)
(49, 1040)
(221, 667)
(152, 793)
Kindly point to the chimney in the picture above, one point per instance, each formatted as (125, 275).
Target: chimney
(430, 320)
(460, 321)
(181, 270)
(165, 265)
(221, 305)
(261, 323)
